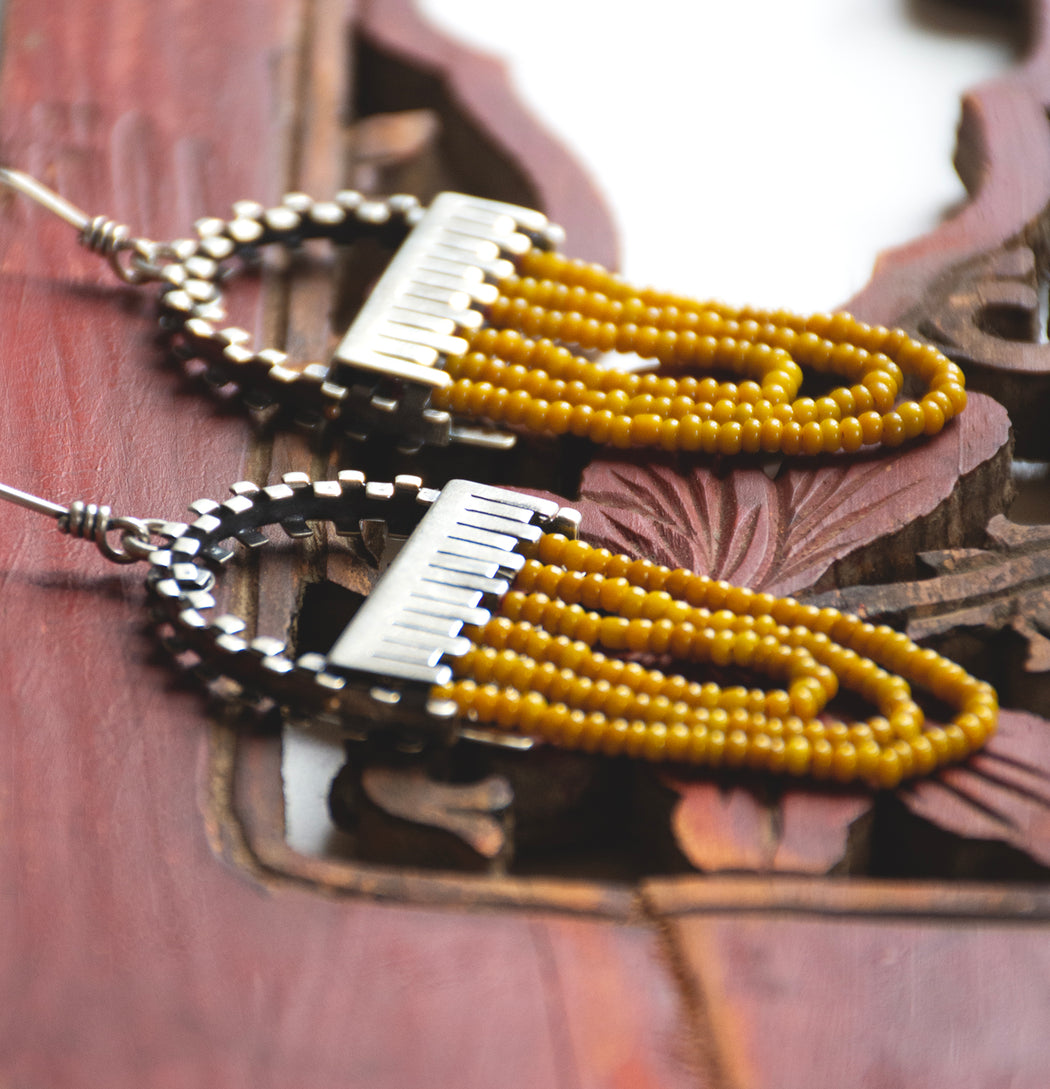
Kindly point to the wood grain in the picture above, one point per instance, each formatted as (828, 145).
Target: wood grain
(158, 930)
(825, 1003)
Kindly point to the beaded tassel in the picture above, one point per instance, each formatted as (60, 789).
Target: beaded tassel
(535, 669)
(518, 372)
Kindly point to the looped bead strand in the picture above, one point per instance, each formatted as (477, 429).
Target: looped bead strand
(536, 668)
(519, 370)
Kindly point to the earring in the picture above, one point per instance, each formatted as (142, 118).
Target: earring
(495, 623)
(479, 322)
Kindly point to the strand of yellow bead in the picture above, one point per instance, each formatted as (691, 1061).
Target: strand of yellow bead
(519, 371)
(535, 669)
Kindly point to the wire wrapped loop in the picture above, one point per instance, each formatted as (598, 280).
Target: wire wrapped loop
(93, 522)
(134, 260)
(104, 236)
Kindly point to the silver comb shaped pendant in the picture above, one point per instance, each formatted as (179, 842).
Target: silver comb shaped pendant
(452, 571)
(432, 292)
(464, 546)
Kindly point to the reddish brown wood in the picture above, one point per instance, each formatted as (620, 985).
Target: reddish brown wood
(468, 813)
(972, 285)
(734, 826)
(157, 928)
(1003, 587)
(1001, 796)
(975, 595)
(1003, 160)
(816, 521)
(987, 314)
(801, 1002)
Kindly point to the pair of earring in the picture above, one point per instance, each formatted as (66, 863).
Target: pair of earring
(494, 621)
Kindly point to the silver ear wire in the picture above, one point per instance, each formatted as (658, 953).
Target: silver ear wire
(134, 260)
(29, 187)
(92, 522)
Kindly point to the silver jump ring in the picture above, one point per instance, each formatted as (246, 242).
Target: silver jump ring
(134, 543)
(141, 265)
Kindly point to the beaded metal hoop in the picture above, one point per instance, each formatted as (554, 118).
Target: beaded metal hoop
(191, 299)
(388, 682)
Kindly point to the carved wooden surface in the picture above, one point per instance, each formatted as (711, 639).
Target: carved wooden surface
(157, 928)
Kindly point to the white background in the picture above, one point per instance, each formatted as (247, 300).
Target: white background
(759, 152)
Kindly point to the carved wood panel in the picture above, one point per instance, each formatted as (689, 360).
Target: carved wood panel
(609, 925)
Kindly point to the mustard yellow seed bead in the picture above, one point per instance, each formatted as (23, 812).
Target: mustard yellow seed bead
(723, 410)
(863, 401)
(759, 751)
(889, 771)
(645, 429)
(718, 721)
(791, 439)
(666, 434)
(844, 401)
(958, 745)
(715, 748)
(613, 632)
(615, 737)
(973, 728)
(771, 435)
(735, 749)
(729, 439)
(831, 435)
(851, 434)
(709, 432)
(913, 418)
(601, 424)
(519, 379)
(822, 758)
(956, 394)
(751, 436)
(844, 762)
(906, 756)
(893, 430)
(533, 608)
(812, 438)
(615, 566)
(871, 427)
(933, 416)
(798, 755)
(676, 745)
(924, 755)
(690, 430)
(883, 391)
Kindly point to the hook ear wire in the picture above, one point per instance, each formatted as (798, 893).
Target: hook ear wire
(93, 523)
(32, 502)
(28, 186)
(134, 260)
